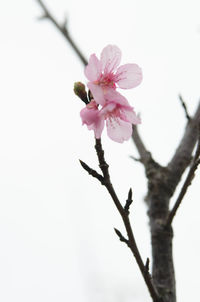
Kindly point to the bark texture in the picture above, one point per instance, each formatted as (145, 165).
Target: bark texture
(161, 237)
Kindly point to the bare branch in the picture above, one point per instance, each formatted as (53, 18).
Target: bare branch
(62, 29)
(125, 217)
(184, 107)
(186, 184)
(145, 155)
(183, 153)
(102, 163)
(92, 172)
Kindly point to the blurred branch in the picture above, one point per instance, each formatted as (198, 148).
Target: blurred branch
(187, 183)
(183, 154)
(62, 28)
(184, 107)
(145, 155)
(124, 212)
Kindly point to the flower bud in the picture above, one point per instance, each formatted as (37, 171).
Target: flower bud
(79, 90)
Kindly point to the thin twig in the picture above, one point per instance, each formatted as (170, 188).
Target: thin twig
(92, 172)
(62, 29)
(136, 159)
(125, 217)
(184, 107)
(121, 237)
(186, 184)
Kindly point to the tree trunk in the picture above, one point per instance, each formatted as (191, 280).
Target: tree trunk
(158, 197)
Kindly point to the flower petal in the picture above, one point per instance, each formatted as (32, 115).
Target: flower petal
(114, 96)
(110, 58)
(97, 93)
(97, 127)
(128, 115)
(107, 108)
(93, 120)
(93, 69)
(128, 76)
(118, 130)
(89, 116)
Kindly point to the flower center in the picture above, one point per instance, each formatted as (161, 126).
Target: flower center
(106, 81)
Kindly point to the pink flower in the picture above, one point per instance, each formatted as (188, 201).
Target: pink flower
(117, 113)
(105, 75)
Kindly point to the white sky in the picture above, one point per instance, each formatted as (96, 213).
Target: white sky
(56, 223)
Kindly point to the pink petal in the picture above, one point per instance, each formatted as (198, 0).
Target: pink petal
(110, 58)
(97, 93)
(108, 107)
(118, 130)
(129, 115)
(93, 120)
(128, 76)
(89, 116)
(97, 127)
(93, 69)
(114, 96)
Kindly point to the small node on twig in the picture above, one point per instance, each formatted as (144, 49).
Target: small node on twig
(184, 107)
(65, 22)
(42, 17)
(92, 172)
(128, 201)
(136, 159)
(121, 237)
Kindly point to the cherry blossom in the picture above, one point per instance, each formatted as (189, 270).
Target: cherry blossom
(104, 75)
(116, 112)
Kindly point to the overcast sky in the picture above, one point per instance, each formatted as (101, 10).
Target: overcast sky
(56, 223)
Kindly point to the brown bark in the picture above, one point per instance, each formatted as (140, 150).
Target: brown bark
(161, 237)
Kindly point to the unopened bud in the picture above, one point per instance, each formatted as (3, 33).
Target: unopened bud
(79, 90)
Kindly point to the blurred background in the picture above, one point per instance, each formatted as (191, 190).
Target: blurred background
(57, 241)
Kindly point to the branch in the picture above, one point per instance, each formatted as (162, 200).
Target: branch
(187, 183)
(124, 212)
(92, 172)
(145, 155)
(183, 153)
(62, 29)
(184, 107)
(152, 168)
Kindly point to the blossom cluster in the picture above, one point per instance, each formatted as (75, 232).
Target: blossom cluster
(107, 104)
